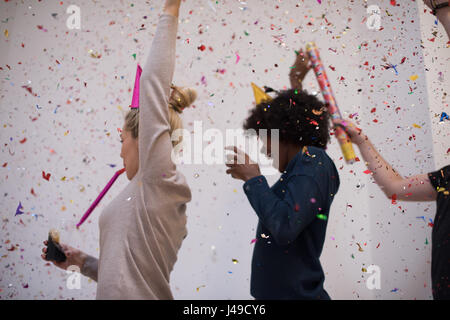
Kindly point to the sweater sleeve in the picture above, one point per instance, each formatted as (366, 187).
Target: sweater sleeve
(90, 268)
(155, 146)
(285, 218)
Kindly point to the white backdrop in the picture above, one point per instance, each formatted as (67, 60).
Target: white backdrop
(81, 85)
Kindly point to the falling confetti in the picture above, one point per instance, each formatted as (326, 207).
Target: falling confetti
(46, 176)
(19, 210)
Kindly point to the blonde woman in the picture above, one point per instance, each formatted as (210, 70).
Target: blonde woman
(142, 229)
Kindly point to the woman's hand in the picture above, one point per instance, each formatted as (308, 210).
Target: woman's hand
(428, 2)
(299, 70)
(74, 256)
(172, 7)
(244, 168)
(355, 133)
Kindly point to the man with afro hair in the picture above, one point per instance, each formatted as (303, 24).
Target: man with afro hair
(293, 213)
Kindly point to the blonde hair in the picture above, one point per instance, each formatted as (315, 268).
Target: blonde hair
(180, 99)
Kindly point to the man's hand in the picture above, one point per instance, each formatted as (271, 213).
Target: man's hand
(299, 70)
(241, 166)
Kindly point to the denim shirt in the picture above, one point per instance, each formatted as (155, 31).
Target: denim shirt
(293, 216)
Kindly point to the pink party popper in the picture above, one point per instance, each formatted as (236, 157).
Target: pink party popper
(100, 196)
(324, 84)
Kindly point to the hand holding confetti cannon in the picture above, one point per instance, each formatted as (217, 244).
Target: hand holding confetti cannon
(324, 83)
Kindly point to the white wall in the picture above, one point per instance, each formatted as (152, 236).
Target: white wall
(80, 139)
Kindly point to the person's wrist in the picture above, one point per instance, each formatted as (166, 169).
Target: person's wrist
(361, 140)
(442, 12)
(252, 175)
(81, 259)
(438, 6)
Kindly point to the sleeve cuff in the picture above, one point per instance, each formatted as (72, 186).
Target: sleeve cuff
(255, 183)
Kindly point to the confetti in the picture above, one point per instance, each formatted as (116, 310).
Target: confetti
(202, 286)
(46, 176)
(19, 210)
(322, 217)
(444, 116)
(413, 77)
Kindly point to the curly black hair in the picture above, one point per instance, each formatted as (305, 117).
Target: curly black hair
(301, 118)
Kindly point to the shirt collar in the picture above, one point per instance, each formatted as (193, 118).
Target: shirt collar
(301, 155)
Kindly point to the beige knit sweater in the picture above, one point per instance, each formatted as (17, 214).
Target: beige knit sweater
(142, 229)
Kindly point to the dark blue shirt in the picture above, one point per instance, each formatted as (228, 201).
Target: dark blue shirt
(293, 216)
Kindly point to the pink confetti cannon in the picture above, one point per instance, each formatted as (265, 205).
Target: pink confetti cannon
(324, 83)
(100, 196)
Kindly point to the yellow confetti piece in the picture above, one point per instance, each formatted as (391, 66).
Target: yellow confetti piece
(364, 270)
(63, 208)
(414, 77)
(198, 288)
(416, 126)
(6, 33)
(235, 261)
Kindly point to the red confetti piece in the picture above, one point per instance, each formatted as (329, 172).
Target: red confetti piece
(5, 164)
(367, 172)
(202, 48)
(297, 207)
(23, 140)
(30, 90)
(46, 176)
(394, 199)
